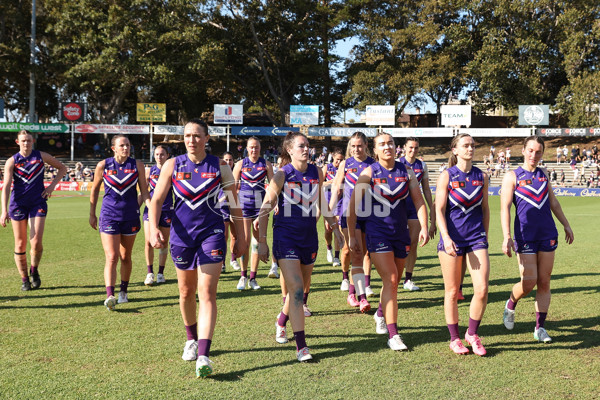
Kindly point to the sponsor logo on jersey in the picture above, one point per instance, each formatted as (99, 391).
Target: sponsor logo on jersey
(246, 169)
(477, 183)
(407, 248)
(111, 172)
(154, 176)
(552, 242)
(18, 213)
(291, 251)
(218, 231)
(314, 181)
(20, 165)
(184, 176)
(129, 171)
(216, 252)
(525, 182)
(293, 185)
(380, 244)
(458, 184)
(542, 179)
(352, 170)
(400, 179)
(417, 171)
(259, 168)
(109, 228)
(208, 175)
(380, 181)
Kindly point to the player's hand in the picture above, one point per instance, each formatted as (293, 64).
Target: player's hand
(239, 246)
(4, 218)
(255, 224)
(423, 237)
(507, 246)
(569, 235)
(450, 247)
(328, 227)
(46, 193)
(432, 229)
(339, 238)
(263, 252)
(94, 222)
(353, 244)
(157, 239)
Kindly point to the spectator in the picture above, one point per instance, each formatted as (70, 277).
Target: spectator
(492, 152)
(562, 176)
(78, 170)
(443, 167)
(558, 154)
(575, 176)
(553, 176)
(565, 153)
(98, 150)
(508, 155)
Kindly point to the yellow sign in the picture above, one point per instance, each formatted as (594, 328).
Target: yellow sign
(151, 112)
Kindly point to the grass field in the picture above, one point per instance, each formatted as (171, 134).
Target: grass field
(60, 341)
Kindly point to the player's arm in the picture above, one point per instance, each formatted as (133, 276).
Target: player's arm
(61, 172)
(269, 171)
(324, 173)
(271, 195)
(506, 196)
(155, 207)
(417, 198)
(230, 190)
(9, 168)
(441, 201)
(237, 173)
(558, 212)
(485, 208)
(98, 174)
(336, 185)
(144, 197)
(428, 197)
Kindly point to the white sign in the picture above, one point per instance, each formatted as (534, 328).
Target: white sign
(229, 114)
(178, 130)
(498, 132)
(453, 115)
(420, 132)
(123, 129)
(381, 115)
(304, 115)
(536, 115)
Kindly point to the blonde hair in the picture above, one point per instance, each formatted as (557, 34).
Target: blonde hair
(361, 136)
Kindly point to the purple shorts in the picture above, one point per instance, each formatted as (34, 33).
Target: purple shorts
(250, 212)
(360, 224)
(165, 218)
(462, 250)
(378, 244)
(211, 251)
(19, 213)
(533, 247)
(125, 228)
(294, 251)
(411, 213)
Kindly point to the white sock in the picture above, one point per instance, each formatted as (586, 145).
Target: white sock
(359, 280)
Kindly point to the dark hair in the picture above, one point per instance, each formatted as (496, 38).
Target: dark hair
(288, 142)
(411, 139)
(537, 139)
(453, 160)
(375, 138)
(162, 146)
(199, 122)
(227, 153)
(361, 136)
(337, 150)
(24, 132)
(113, 140)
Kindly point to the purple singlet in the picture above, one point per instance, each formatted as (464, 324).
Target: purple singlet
(352, 170)
(418, 168)
(120, 201)
(28, 180)
(253, 179)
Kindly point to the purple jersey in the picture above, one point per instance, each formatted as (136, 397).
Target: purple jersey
(196, 188)
(418, 168)
(153, 175)
(224, 205)
(296, 220)
(464, 215)
(28, 179)
(387, 214)
(120, 202)
(533, 219)
(253, 180)
(352, 170)
(329, 176)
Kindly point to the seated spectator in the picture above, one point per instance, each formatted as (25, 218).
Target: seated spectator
(553, 176)
(98, 153)
(443, 167)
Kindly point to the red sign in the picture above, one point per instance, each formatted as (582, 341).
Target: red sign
(72, 111)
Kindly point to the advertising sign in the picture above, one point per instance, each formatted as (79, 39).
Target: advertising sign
(420, 132)
(497, 132)
(381, 115)
(38, 128)
(304, 115)
(113, 129)
(456, 115)
(261, 131)
(536, 115)
(178, 130)
(229, 114)
(568, 131)
(151, 112)
(70, 111)
(341, 132)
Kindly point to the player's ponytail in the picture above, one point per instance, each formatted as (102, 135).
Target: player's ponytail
(288, 142)
(453, 160)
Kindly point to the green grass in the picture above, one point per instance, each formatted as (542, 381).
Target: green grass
(60, 342)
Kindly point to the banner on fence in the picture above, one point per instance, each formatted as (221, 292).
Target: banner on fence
(37, 128)
(420, 132)
(261, 131)
(178, 130)
(113, 129)
(341, 132)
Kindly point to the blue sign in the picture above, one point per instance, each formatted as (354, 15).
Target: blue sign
(261, 131)
(570, 192)
(304, 115)
(341, 132)
(1, 108)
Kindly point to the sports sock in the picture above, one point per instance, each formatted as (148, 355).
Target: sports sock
(362, 296)
(252, 275)
(305, 298)
(359, 281)
(300, 340)
(351, 290)
(33, 270)
(161, 269)
(367, 280)
(123, 286)
(511, 305)
(336, 254)
(328, 247)
(407, 276)
(454, 334)
(345, 275)
(204, 347)
(150, 268)
(380, 311)
(473, 326)
(392, 330)
(540, 319)
(244, 274)
(192, 331)
(110, 291)
(283, 319)
(460, 287)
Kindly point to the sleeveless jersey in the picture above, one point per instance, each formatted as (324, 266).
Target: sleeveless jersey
(352, 170)
(388, 212)
(418, 168)
(28, 179)
(331, 171)
(464, 216)
(253, 181)
(224, 205)
(196, 188)
(533, 219)
(154, 173)
(297, 217)
(120, 202)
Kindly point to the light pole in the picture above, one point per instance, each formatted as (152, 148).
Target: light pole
(31, 66)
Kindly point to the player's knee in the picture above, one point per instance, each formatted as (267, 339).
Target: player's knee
(163, 251)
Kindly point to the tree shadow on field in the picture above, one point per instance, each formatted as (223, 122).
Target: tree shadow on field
(174, 300)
